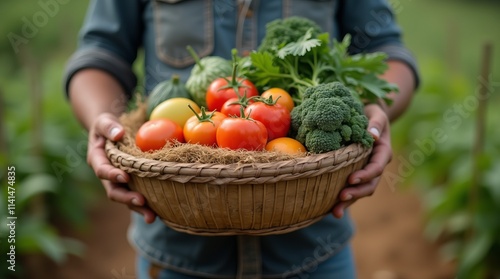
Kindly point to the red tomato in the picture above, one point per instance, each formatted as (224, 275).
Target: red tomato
(241, 133)
(275, 117)
(232, 107)
(154, 134)
(202, 128)
(217, 94)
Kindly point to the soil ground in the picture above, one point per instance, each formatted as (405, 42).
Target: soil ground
(389, 243)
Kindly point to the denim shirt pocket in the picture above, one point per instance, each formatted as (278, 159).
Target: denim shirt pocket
(179, 23)
(321, 11)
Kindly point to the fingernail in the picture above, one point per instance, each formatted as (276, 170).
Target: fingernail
(347, 197)
(136, 202)
(114, 132)
(375, 132)
(356, 181)
(121, 179)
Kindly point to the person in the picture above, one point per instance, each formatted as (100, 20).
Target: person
(99, 80)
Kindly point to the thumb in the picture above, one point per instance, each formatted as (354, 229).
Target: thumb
(108, 126)
(378, 120)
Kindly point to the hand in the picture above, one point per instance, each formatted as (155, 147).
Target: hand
(106, 126)
(362, 183)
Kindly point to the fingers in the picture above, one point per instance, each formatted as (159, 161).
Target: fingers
(380, 157)
(378, 120)
(363, 183)
(146, 212)
(382, 150)
(97, 159)
(349, 195)
(134, 200)
(107, 125)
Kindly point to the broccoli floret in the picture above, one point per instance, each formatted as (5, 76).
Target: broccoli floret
(302, 132)
(280, 32)
(354, 103)
(328, 118)
(320, 141)
(316, 116)
(346, 132)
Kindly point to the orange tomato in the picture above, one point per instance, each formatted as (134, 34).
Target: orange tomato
(202, 128)
(286, 145)
(284, 98)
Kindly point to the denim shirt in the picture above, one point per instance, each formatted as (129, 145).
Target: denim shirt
(114, 31)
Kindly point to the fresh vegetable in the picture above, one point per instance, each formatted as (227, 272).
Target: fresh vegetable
(232, 107)
(154, 134)
(310, 60)
(282, 32)
(286, 145)
(201, 128)
(281, 96)
(167, 89)
(225, 88)
(222, 89)
(206, 70)
(175, 109)
(329, 118)
(241, 133)
(274, 116)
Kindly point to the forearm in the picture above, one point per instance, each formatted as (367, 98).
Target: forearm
(93, 92)
(400, 74)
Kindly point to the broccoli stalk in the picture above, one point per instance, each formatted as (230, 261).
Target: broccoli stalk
(329, 118)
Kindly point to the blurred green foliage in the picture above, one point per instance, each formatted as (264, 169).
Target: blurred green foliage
(435, 138)
(39, 135)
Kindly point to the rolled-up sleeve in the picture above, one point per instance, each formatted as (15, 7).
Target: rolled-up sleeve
(373, 27)
(109, 41)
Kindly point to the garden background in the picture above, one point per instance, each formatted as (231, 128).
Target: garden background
(434, 215)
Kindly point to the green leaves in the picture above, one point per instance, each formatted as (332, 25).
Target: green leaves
(265, 70)
(47, 240)
(34, 185)
(373, 88)
(263, 62)
(300, 47)
(311, 60)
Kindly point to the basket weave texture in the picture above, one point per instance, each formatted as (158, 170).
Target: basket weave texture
(251, 199)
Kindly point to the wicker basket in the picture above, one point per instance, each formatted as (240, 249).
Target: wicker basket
(252, 199)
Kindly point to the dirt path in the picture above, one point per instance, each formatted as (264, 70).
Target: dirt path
(388, 244)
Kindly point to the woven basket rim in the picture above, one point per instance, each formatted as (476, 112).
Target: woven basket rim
(311, 165)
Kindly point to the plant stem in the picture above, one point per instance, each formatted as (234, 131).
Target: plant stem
(478, 147)
(195, 57)
(175, 79)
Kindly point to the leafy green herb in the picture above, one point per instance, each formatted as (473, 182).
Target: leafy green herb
(311, 60)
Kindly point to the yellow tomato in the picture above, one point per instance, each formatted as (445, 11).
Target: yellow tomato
(175, 109)
(286, 145)
(284, 98)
